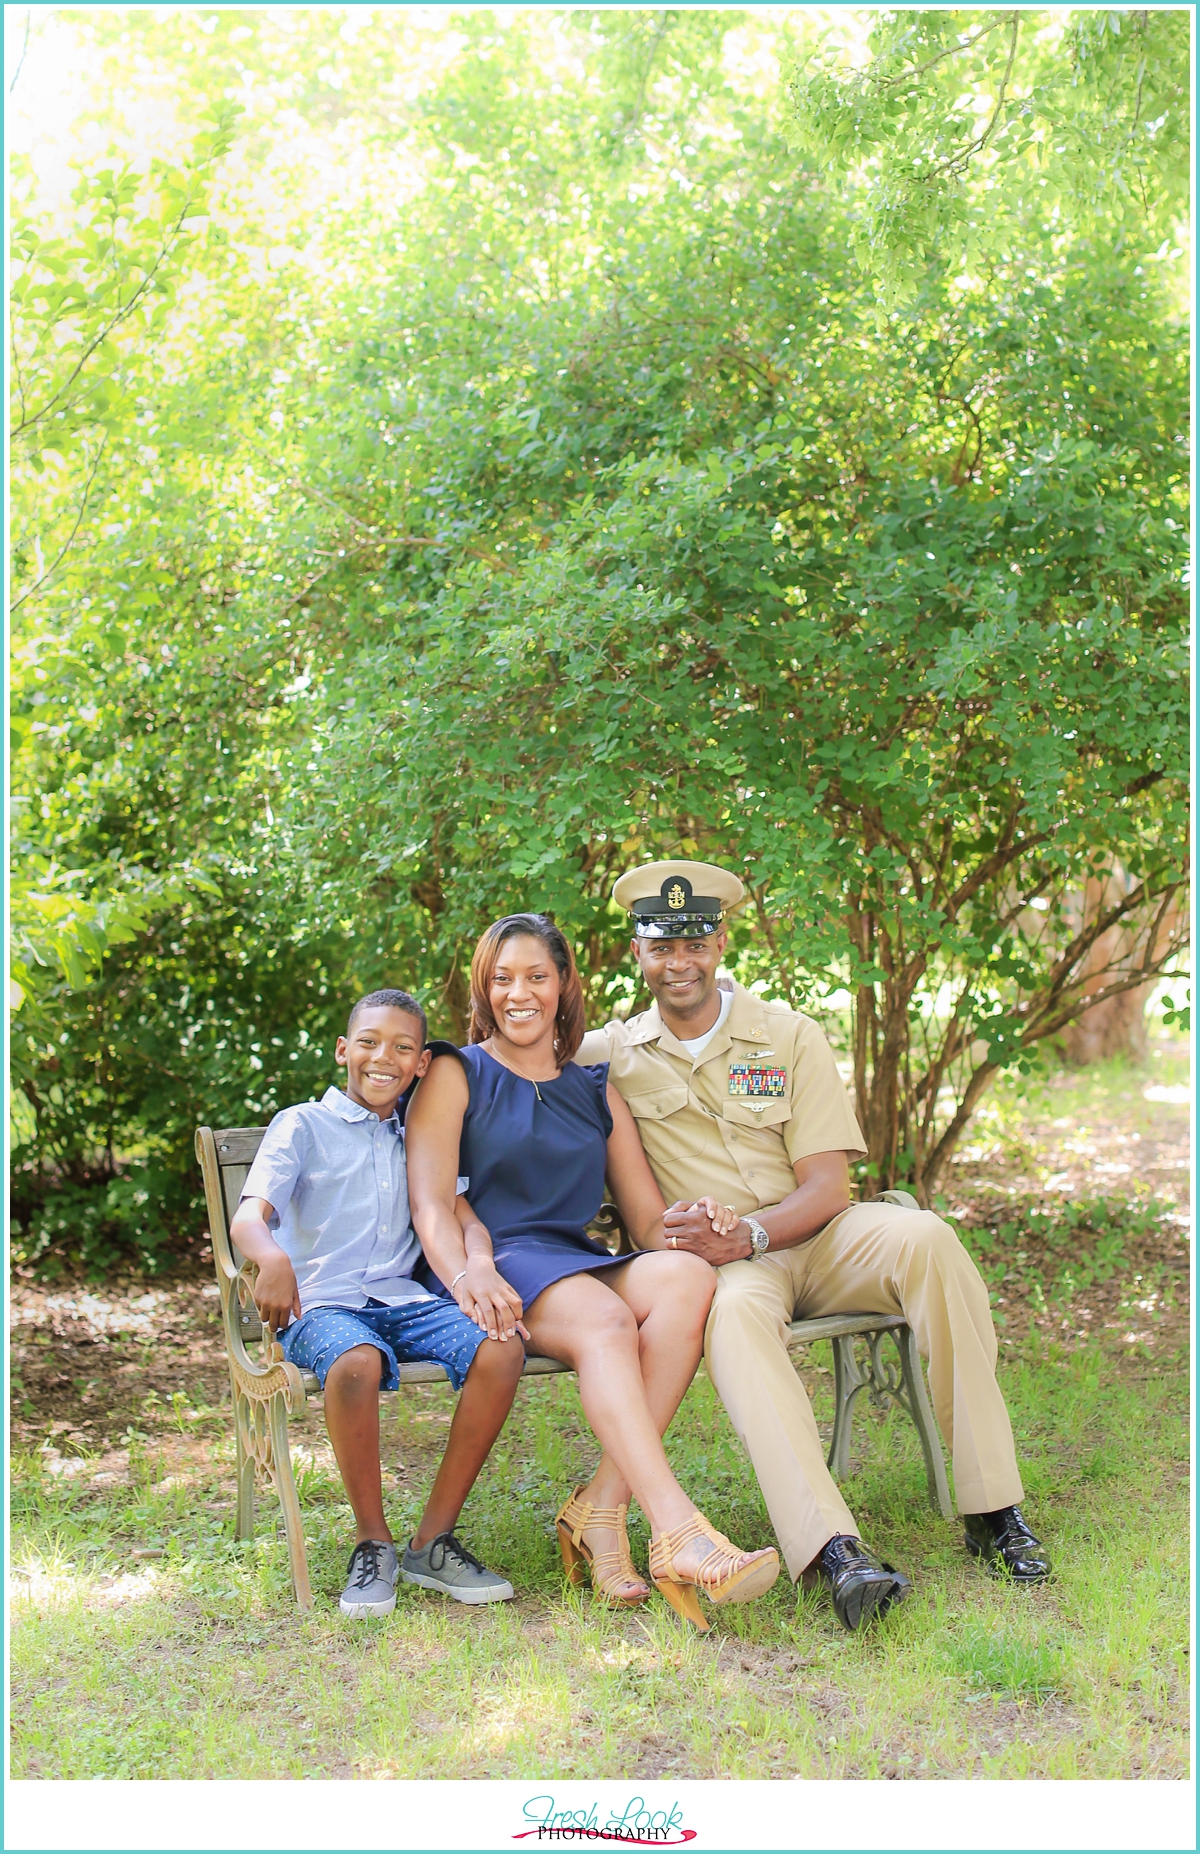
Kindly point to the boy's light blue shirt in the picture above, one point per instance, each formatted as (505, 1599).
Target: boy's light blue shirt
(336, 1177)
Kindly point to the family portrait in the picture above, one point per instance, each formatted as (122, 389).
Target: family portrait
(599, 986)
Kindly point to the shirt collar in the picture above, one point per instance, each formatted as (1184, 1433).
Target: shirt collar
(340, 1104)
(745, 1020)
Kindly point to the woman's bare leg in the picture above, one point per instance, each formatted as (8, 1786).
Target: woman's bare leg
(669, 1296)
(592, 1329)
(589, 1327)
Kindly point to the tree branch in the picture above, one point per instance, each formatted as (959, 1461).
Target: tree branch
(64, 550)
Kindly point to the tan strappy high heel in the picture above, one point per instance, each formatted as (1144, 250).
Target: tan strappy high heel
(725, 1574)
(608, 1568)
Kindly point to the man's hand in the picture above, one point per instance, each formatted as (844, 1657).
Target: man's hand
(710, 1230)
(275, 1292)
(485, 1297)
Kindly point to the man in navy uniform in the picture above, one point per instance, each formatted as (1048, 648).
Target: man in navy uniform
(742, 1100)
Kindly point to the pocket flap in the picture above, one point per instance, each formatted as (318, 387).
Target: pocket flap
(657, 1103)
(768, 1113)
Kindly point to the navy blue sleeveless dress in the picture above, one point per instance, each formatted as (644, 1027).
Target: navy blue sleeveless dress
(535, 1168)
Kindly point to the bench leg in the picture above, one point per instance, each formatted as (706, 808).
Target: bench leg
(921, 1410)
(285, 1486)
(848, 1381)
(263, 1448)
(244, 1527)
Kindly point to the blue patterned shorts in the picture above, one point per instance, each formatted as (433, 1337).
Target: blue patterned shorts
(416, 1329)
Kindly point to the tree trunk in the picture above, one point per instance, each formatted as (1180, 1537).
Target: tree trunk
(1115, 1028)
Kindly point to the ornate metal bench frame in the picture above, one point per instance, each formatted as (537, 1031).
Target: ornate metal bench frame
(267, 1390)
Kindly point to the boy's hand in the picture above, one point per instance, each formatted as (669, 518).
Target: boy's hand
(276, 1294)
(485, 1297)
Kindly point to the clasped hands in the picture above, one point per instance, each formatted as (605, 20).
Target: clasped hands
(485, 1297)
(710, 1230)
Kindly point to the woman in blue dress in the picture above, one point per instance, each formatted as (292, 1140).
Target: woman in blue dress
(535, 1134)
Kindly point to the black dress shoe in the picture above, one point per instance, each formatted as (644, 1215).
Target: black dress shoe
(1005, 1543)
(861, 1585)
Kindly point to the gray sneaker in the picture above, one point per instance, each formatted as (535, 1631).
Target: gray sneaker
(445, 1564)
(371, 1580)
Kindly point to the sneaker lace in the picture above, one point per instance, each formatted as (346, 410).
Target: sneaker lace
(450, 1547)
(367, 1557)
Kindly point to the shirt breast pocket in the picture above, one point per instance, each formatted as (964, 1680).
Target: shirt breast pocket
(666, 1108)
(769, 1113)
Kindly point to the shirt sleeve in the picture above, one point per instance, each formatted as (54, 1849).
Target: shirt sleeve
(597, 1073)
(595, 1047)
(279, 1162)
(822, 1119)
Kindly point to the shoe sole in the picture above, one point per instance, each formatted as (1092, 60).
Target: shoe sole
(499, 1593)
(367, 1609)
(753, 1582)
(874, 1602)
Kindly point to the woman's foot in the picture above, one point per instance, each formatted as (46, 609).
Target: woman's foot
(595, 1535)
(696, 1557)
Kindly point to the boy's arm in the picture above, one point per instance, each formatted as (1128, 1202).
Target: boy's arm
(276, 1294)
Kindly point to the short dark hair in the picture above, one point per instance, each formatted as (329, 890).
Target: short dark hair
(398, 1000)
(569, 1022)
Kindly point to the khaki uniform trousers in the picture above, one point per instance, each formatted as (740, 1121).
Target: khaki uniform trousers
(874, 1258)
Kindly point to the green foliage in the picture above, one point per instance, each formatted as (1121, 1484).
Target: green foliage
(87, 305)
(1056, 1251)
(962, 124)
(1178, 1016)
(552, 498)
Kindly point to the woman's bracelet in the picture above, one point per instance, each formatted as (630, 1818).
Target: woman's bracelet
(458, 1277)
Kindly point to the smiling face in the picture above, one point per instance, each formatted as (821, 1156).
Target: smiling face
(524, 992)
(383, 1051)
(682, 977)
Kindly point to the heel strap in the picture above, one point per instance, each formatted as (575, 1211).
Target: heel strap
(664, 1547)
(578, 1515)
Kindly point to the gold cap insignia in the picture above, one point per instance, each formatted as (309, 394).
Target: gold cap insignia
(675, 896)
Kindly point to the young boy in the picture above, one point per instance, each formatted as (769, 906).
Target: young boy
(330, 1179)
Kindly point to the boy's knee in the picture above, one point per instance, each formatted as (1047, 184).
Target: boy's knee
(498, 1361)
(357, 1371)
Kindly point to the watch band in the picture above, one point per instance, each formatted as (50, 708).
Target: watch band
(760, 1242)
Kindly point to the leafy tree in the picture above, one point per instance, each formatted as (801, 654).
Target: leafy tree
(555, 498)
(962, 122)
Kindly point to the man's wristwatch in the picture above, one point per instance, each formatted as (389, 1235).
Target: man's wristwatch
(760, 1242)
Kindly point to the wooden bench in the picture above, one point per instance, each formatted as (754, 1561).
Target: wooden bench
(266, 1389)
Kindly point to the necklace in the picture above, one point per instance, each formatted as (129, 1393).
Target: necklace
(512, 1068)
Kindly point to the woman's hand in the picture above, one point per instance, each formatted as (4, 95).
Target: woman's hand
(485, 1297)
(723, 1217)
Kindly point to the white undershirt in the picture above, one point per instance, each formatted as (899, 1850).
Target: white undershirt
(694, 1044)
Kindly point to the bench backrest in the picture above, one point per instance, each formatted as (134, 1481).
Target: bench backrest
(225, 1157)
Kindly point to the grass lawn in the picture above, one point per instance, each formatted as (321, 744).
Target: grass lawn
(146, 1643)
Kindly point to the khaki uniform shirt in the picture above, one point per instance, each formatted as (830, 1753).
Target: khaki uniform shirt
(762, 1093)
